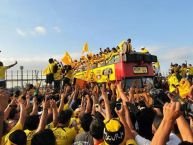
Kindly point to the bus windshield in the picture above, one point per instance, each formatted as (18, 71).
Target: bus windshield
(140, 82)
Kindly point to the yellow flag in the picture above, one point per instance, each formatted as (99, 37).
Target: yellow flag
(67, 59)
(87, 75)
(173, 81)
(121, 44)
(84, 58)
(85, 47)
(45, 71)
(184, 87)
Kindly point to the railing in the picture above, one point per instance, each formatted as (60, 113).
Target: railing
(19, 78)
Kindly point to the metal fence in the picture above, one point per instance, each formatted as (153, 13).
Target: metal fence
(19, 78)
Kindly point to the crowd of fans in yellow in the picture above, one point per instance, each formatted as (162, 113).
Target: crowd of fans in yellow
(99, 114)
(180, 78)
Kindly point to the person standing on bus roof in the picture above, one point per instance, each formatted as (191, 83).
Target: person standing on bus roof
(127, 47)
(2, 73)
(48, 72)
(144, 50)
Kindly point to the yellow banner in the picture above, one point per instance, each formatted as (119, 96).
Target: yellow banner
(99, 74)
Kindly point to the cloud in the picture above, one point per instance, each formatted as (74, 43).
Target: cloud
(40, 30)
(172, 54)
(35, 62)
(21, 32)
(36, 31)
(166, 55)
(178, 54)
(57, 29)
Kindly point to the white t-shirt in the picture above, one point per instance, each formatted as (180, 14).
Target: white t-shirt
(173, 140)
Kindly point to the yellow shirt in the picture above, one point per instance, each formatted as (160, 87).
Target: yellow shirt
(129, 142)
(112, 55)
(64, 136)
(57, 75)
(5, 138)
(190, 70)
(144, 51)
(77, 120)
(66, 106)
(49, 126)
(49, 69)
(29, 135)
(2, 72)
(69, 74)
(183, 71)
(172, 80)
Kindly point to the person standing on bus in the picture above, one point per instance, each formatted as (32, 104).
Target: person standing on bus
(57, 77)
(144, 50)
(49, 72)
(127, 47)
(2, 73)
(68, 75)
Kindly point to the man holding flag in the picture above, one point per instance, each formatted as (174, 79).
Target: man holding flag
(68, 72)
(67, 59)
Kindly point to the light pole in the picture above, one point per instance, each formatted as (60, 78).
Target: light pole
(21, 69)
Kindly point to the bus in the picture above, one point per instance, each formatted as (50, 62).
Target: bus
(132, 69)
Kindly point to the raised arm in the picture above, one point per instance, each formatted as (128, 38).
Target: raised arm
(107, 104)
(171, 112)
(3, 104)
(121, 114)
(28, 105)
(73, 96)
(125, 99)
(122, 94)
(1, 124)
(12, 65)
(185, 130)
(128, 117)
(191, 123)
(55, 112)
(61, 106)
(35, 107)
(44, 116)
(88, 104)
(22, 115)
(113, 89)
(8, 109)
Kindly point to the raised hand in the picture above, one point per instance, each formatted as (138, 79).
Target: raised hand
(46, 104)
(4, 96)
(171, 111)
(53, 104)
(121, 112)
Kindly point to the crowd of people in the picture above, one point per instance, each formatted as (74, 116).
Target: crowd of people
(180, 78)
(182, 71)
(98, 114)
(94, 115)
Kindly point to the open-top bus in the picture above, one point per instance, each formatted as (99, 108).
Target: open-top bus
(133, 68)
